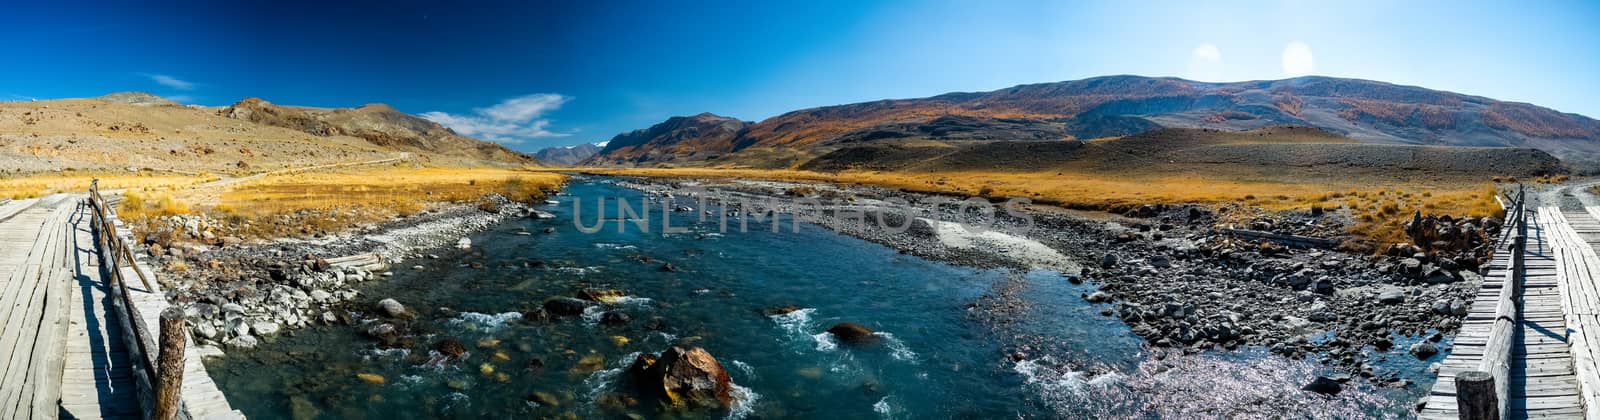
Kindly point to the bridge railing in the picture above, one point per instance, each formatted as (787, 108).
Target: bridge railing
(157, 365)
(1485, 393)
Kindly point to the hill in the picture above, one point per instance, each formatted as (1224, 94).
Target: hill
(140, 130)
(566, 155)
(378, 124)
(1361, 110)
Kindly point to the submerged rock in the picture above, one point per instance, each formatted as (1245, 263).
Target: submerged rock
(684, 378)
(853, 334)
(565, 306)
(1323, 385)
(601, 295)
(451, 347)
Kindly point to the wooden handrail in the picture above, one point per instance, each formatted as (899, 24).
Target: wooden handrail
(1485, 393)
(158, 387)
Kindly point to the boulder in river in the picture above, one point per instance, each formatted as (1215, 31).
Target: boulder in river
(853, 334)
(1323, 385)
(392, 308)
(601, 295)
(684, 378)
(1423, 350)
(451, 347)
(615, 318)
(565, 306)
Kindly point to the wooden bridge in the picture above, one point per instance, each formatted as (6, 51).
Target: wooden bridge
(1528, 347)
(85, 331)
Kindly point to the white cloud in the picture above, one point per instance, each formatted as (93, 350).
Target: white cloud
(1205, 63)
(511, 121)
(171, 82)
(1297, 60)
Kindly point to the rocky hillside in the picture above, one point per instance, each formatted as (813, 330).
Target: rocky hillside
(679, 139)
(566, 155)
(1367, 111)
(378, 124)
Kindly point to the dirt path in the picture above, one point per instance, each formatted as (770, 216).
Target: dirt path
(1572, 195)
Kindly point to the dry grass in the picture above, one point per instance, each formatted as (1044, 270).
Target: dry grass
(333, 200)
(40, 184)
(1378, 209)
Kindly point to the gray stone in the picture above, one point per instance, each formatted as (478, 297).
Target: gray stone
(1391, 296)
(391, 307)
(265, 329)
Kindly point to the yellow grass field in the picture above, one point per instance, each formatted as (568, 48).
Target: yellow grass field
(35, 185)
(1377, 208)
(336, 199)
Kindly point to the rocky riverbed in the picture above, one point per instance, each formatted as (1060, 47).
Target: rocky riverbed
(237, 293)
(1173, 273)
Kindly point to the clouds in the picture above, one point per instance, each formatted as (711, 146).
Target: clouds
(511, 121)
(1205, 63)
(169, 81)
(1297, 60)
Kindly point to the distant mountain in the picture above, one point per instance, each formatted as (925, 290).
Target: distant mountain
(1367, 111)
(378, 124)
(567, 155)
(695, 138)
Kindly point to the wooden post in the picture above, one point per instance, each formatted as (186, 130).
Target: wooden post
(1475, 396)
(169, 365)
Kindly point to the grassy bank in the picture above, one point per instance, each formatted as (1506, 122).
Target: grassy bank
(331, 200)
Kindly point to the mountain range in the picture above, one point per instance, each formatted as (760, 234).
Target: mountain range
(1363, 110)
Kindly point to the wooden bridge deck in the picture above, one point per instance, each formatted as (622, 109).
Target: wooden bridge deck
(63, 349)
(1553, 371)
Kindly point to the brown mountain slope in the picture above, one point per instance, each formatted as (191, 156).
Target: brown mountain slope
(689, 139)
(380, 125)
(1367, 111)
(143, 131)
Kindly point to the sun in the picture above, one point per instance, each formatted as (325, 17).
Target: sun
(1297, 59)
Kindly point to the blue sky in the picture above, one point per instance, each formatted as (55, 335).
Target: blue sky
(535, 74)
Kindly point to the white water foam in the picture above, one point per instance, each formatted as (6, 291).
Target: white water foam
(591, 315)
(1041, 373)
(744, 402)
(454, 398)
(580, 271)
(744, 369)
(485, 322)
(885, 409)
(825, 342)
(897, 348)
(607, 245)
(398, 353)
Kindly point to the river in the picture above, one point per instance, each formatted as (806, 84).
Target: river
(958, 342)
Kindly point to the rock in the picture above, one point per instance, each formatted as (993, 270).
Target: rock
(371, 378)
(321, 296)
(1323, 385)
(1391, 296)
(668, 267)
(601, 295)
(1423, 350)
(264, 329)
(1108, 261)
(243, 342)
(853, 334)
(451, 347)
(614, 318)
(384, 331)
(1458, 307)
(565, 306)
(319, 264)
(1411, 267)
(392, 308)
(208, 352)
(1161, 261)
(464, 243)
(205, 329)
(1098, 297)
(684, 378)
